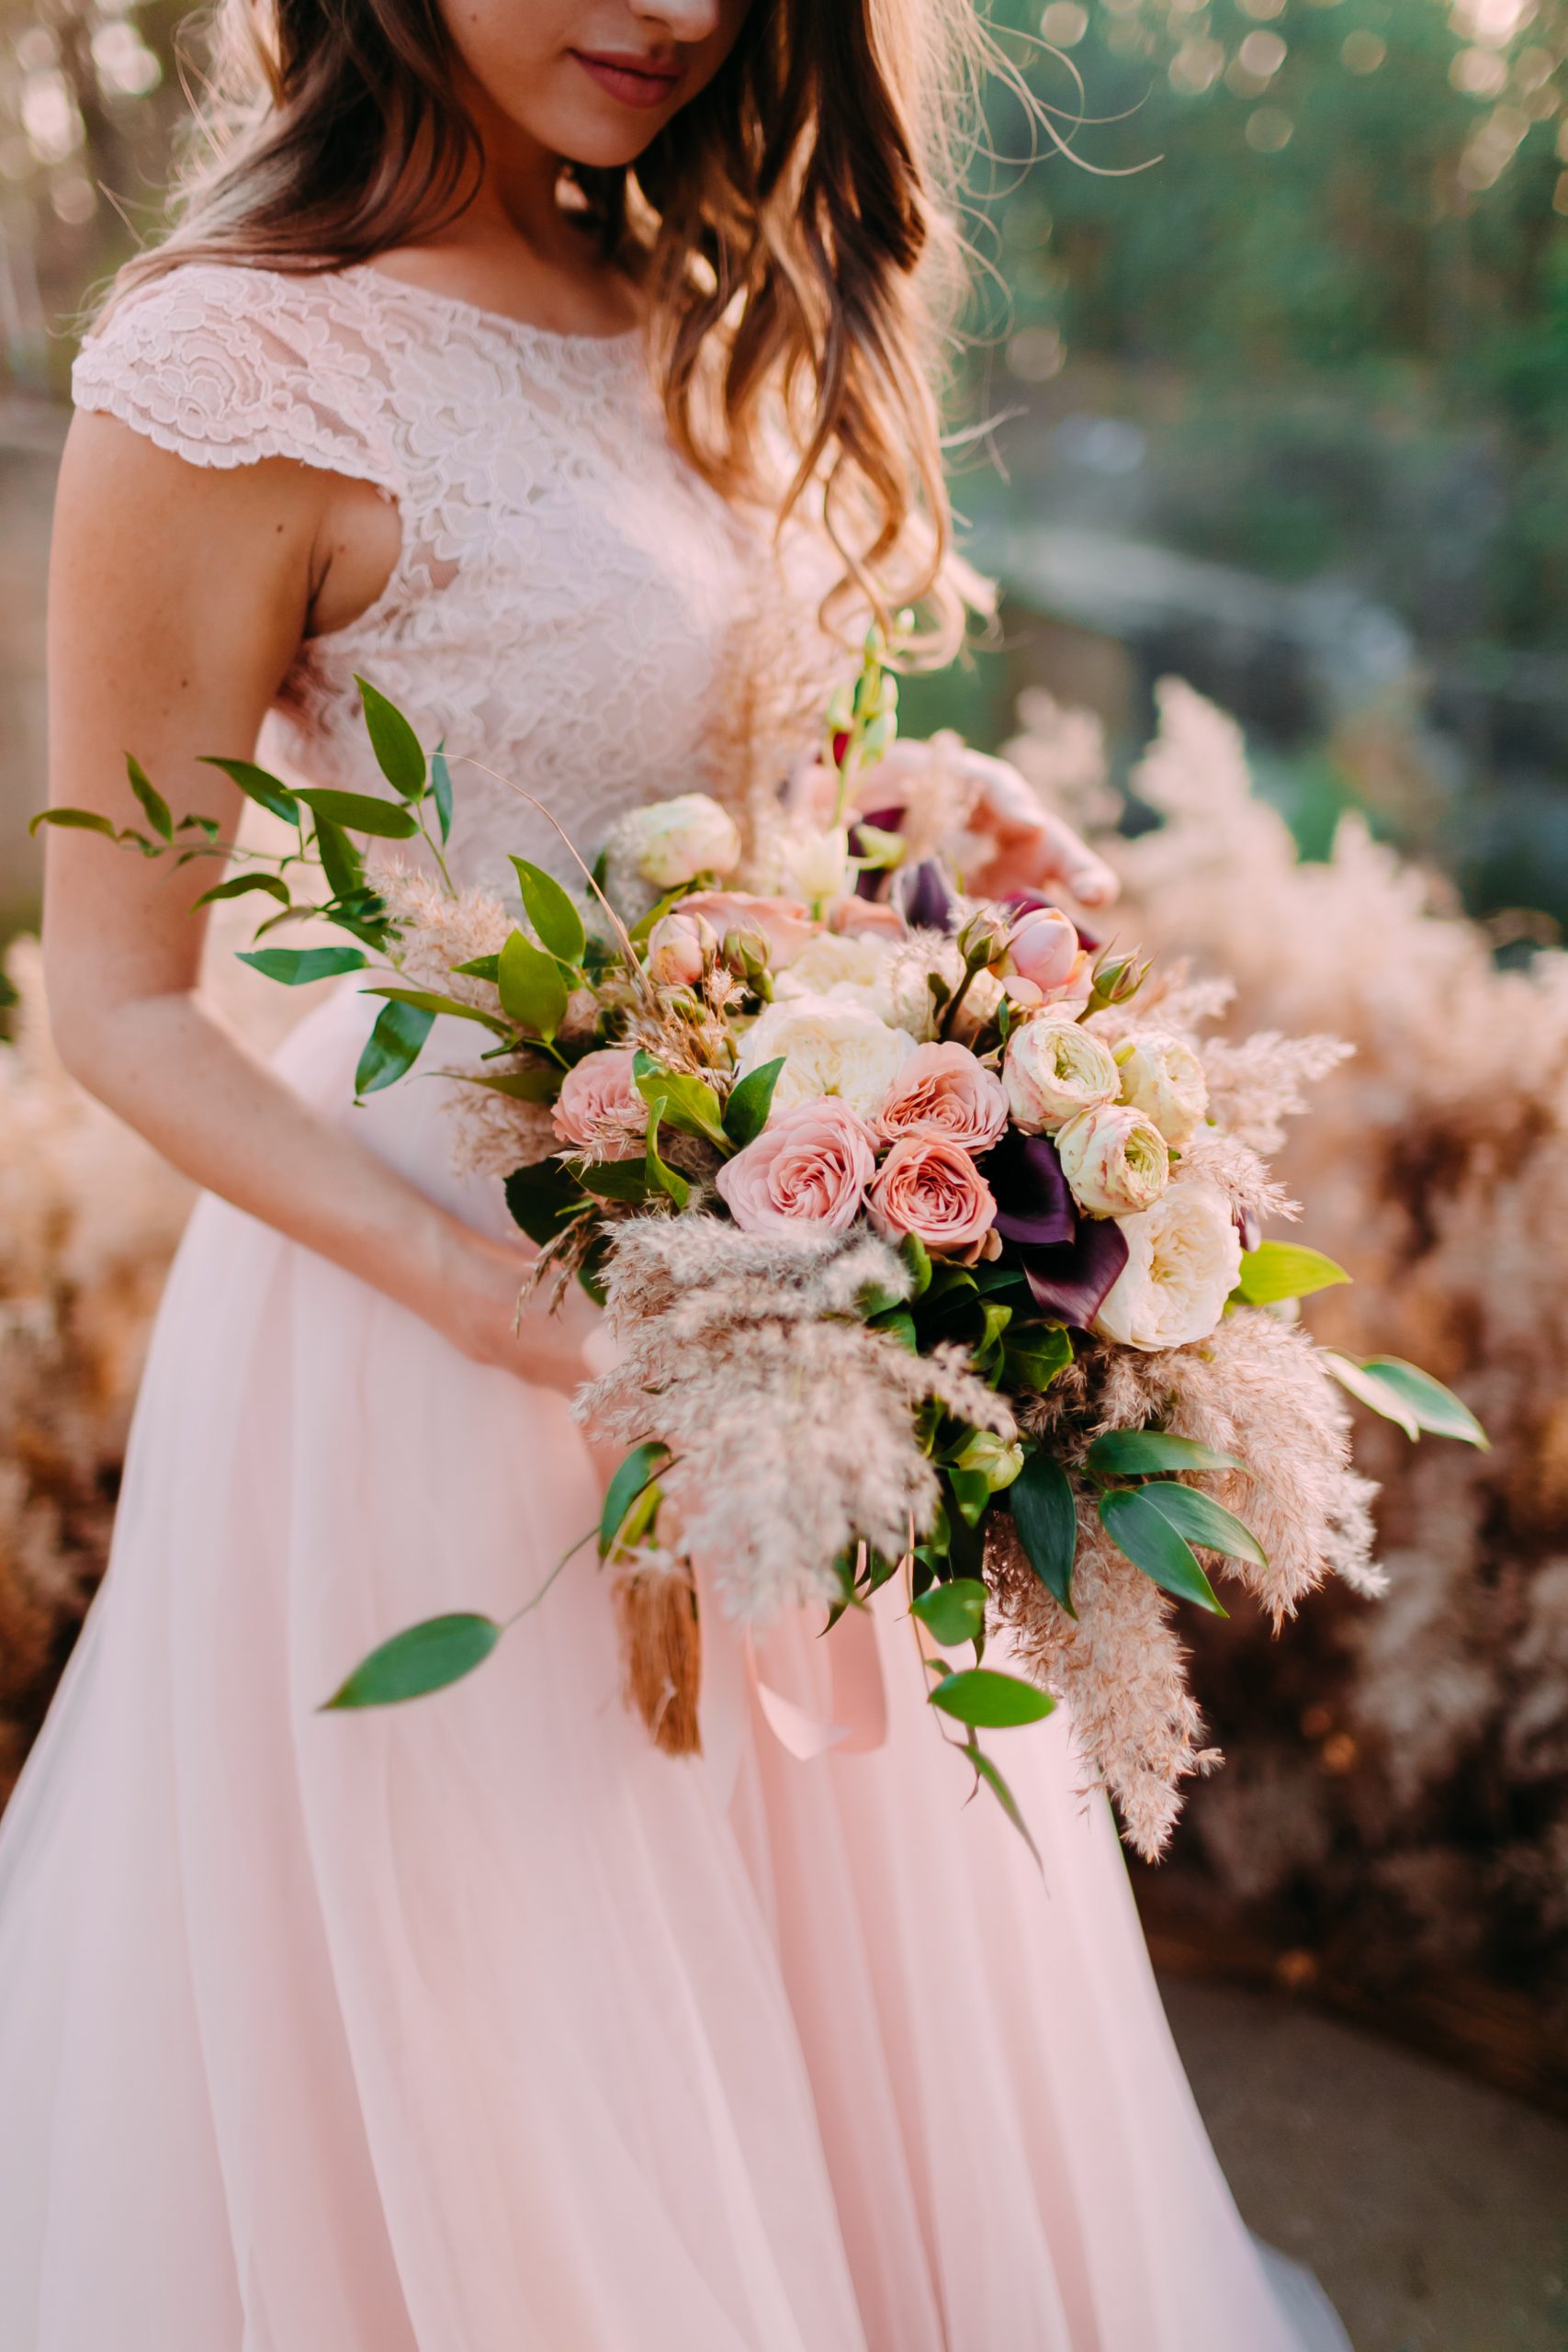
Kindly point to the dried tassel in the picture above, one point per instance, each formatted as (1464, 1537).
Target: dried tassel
(661, 1655)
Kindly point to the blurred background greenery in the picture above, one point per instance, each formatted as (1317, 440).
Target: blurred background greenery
(1276, 372)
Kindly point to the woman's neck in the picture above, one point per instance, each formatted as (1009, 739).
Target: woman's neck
(512, 248)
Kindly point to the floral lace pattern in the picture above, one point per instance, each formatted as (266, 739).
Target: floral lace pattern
(566, 585)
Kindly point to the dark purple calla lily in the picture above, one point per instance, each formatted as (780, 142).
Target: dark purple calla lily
(1033, 1204)
(921, 895)
(1076, 1279)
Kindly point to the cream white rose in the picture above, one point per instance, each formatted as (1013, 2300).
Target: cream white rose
(1053, 1069)
(828, 1047)
(1184, 1259)
(671, 840)
(1114, 1160)
(1164, 1079)
(855, 969)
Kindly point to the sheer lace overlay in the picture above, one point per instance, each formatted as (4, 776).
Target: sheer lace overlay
(566, 585)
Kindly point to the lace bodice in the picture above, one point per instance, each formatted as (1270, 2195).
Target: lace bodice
(566, 586)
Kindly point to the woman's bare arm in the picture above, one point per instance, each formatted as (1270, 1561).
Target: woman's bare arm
(178, 596)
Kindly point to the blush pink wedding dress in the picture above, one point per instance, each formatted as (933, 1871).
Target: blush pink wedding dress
(478, 2026)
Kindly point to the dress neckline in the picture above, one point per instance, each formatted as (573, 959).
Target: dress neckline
(625, 341)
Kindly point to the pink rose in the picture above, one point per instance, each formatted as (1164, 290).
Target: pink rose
(599, 1109)
(933, 1190)
(809, 1166)
(944, 1092)
(1044, 946)
(784, 923)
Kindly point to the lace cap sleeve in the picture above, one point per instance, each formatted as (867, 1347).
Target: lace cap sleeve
(225, 366)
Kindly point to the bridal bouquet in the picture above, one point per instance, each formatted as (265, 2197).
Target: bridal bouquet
(932, 1231)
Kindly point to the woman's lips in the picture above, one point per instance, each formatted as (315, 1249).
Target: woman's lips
(633, 84)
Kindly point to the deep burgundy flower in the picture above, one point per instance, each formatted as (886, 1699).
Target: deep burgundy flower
(1033, 1204)
(1075, 1279)
(921, 895)
(885, 820)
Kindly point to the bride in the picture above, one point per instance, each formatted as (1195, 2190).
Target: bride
(481, 2025)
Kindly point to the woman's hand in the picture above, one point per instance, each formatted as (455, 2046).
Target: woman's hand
(477, 1302)
(1033, 850)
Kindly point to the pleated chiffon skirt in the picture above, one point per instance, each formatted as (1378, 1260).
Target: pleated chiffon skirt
(479, 2026)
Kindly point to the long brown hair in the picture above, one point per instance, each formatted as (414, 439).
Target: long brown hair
(792, 228)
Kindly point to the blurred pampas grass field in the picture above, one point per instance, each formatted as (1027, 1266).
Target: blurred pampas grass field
(1394, 1809)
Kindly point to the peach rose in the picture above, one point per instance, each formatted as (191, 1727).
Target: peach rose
(932, 1188)
(784, 923)
(599, 1109)
(809, 1166)
(944, 1092)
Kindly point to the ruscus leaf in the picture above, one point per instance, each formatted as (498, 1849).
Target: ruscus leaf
(746, 1112)
(1279, 1270)
(953, 1612)
(1199, 1518)
(1045, 1515)
(441, 789)
(990, 1700)
(393, 1046)
(431, 1000)
(639, 1470)
(268, 791)
(423, 1657)
(1138, 1528)
(360, 812)
(550, 910)
(533, 992)
(241, 885)
(1138, 1454)
(394, 743)
(297, 967)
(154, 806)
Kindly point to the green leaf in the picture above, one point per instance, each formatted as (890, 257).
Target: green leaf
(1139, 1453)
(268, 791)
(668, 1180)
(297, 966)
(341, 862)
(1199, 1518)
(899, 1323)
(154, 806)
(1277, 1270)
(1403, 1393)
(239, 886)
(422, 1658)
(361, 812)
(393, 1046)
(1045, 1515)
(441, 789)
(533, 992)
(431, 1000)
(615, 1180)
(85, 820)
(1141, 1530)
(550, 911)
(481, 967)
(954, 1612)
(538, 1085)
(989, 1700)
(971, 1492)
(917, 1257)
(539, 1196)
(986, 1770)
(394, 743)
(632, 1478)
(690, 1103)
(746, 1112)
(1033, 1356)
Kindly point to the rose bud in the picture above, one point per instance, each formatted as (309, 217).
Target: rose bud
(784, 922)
(599, 1110)
(676, 839)
(1043, 947)
(983, 937)
(679, 949)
